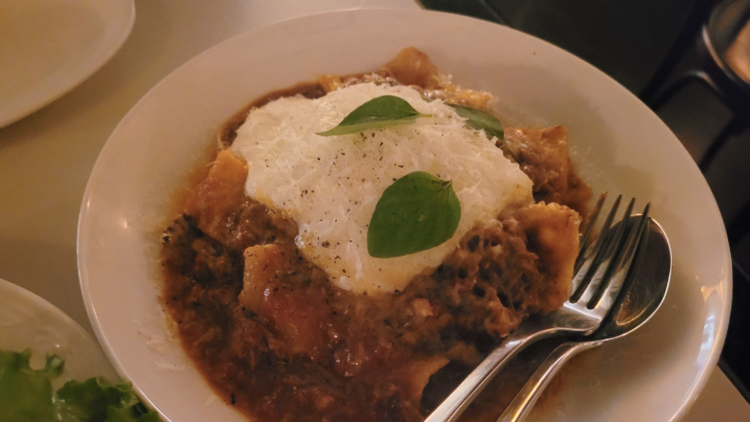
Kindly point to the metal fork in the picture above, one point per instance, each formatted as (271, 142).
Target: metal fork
(600, 269)
(643, 294)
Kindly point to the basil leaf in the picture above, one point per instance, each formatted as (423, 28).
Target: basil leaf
(481, 120)
(417, 212)
(377, 113)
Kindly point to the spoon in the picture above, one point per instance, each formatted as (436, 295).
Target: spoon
(645, 295)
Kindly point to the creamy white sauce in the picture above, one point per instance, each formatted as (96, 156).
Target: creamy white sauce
(330, 185)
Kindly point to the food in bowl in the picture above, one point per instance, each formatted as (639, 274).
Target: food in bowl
(286, 304)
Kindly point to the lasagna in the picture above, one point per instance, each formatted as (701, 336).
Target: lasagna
(267, 271)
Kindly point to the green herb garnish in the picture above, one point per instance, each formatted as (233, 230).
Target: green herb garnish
(26, 395)
(481, 120)
(377, 113)
(417, 212)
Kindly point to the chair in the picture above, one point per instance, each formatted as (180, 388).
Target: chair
(713, 72)
(722, 31)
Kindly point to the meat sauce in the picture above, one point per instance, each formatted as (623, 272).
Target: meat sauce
(280, 342)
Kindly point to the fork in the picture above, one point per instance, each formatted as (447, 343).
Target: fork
(600, 268)
(643, 294)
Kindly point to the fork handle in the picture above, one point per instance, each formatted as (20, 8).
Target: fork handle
(521, 405)
(455, 404)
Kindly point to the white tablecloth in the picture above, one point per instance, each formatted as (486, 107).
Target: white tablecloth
(45, 158)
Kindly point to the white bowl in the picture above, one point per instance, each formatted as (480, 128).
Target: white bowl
(619, 146)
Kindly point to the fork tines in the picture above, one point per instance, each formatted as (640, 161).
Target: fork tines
(613, 250)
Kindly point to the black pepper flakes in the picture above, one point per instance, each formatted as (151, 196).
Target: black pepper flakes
(473, 243)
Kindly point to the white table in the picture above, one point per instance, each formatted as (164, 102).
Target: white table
(45, 158)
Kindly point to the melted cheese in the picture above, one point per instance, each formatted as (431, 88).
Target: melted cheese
(330, 185)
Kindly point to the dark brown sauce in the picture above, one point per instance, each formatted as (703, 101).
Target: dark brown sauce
(312, 351)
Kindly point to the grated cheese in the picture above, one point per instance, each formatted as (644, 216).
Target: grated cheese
(330, 185)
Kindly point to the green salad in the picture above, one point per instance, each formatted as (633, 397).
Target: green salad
(26, 395)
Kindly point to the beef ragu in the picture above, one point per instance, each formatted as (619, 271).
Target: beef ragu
(277, 340)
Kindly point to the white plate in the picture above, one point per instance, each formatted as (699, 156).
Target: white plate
(47, 47)
(29, 322)
(619, 145)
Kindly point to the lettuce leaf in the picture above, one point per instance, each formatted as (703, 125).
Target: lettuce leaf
(26, 395)
(94, 401)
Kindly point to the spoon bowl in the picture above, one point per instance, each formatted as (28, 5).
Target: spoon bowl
(647, 291)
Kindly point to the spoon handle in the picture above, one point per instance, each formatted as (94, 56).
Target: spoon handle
(521, 405)
(452, 407)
